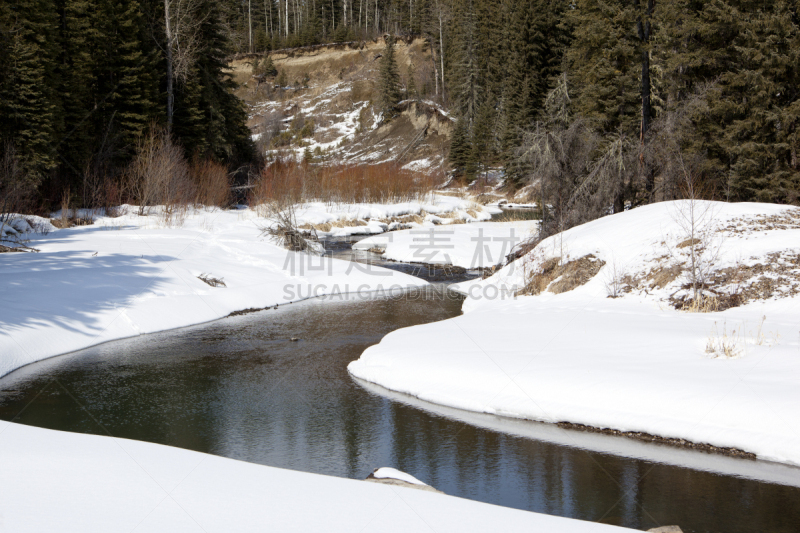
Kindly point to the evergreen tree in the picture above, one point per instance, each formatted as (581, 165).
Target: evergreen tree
(28, 104)
(465, 80)
(411, 86)
(461, 153)
(389, 92)
(536, 44)
(211, 120)
(748, 52)
(604, 64)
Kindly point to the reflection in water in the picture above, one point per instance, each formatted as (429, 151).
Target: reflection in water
(240, 388)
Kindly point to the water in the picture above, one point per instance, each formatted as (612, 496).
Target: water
(241, 388)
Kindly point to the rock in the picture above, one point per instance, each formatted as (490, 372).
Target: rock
(390, 476)
(665, 529)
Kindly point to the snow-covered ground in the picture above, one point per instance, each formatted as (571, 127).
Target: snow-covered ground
(56, 481)
(130, 275)
(728, 378)
(477, 245)
(376, 218)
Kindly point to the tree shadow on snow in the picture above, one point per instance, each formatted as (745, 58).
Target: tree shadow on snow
(70, 288)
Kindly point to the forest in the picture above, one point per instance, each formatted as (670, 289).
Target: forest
(601, 104)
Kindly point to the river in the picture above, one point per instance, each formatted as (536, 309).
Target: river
(242, 388)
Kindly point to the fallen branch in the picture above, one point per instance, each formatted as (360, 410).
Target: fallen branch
(214, 282)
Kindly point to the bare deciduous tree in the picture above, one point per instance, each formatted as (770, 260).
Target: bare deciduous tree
(16, 187)
(159, 174)
(182, 21)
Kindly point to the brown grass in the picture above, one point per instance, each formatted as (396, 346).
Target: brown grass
(567, 277)
(328, 226)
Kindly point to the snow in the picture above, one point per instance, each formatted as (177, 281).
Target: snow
(18, 226)
(56, 481)
(131, 275)
(632, 363)
(392, 473)
(476, 245)
(419, 165)
(768, 472)
(373, 214)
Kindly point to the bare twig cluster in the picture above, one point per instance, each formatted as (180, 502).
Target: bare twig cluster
(282, 228)
(160, 175)
(211, 280)
(287, 181)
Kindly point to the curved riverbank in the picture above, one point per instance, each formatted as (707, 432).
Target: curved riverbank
(631, 364)
(127, 276)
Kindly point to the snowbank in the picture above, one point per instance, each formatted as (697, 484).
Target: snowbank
(18, 226)
(393, 473)
(477, 245)
(377, 218)
(55, 481)
(728, 378)
(131, 275)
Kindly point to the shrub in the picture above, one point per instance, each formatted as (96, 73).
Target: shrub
(159, 175)
(212, 183)
(292, 182)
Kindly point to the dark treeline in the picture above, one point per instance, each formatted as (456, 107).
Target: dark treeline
(629, 100)
(85, 83)
(621, 101)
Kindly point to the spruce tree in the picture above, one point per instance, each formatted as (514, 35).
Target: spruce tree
(29, 107)
(212, 120)
(742, 57)
(389, 92)
(411, 85)
(461, 153)
(604, 64)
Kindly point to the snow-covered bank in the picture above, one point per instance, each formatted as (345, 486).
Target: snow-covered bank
(570, 353)
(341, 220)
(477, 245)
(130, 275)
(55, 481)
(766, 471)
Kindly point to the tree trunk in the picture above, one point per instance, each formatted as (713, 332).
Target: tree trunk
(435, 70)
(644, 30)
(170, 81)
(441, 49)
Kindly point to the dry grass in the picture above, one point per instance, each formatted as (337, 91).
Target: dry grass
(704, 303)
(557, 278)
(517, 215)
(728, 344)
(328, 226)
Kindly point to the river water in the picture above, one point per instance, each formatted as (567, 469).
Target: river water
(242, 388)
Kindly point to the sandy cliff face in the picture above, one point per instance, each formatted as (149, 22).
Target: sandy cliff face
(325, 105)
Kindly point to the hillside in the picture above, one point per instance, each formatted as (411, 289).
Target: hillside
(325, 104)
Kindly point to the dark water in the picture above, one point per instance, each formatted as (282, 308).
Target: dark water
(241, 388)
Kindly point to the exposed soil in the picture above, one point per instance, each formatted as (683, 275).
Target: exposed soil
(647, 437)
(557, 278)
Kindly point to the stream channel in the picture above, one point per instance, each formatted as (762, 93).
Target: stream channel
(241, 388)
